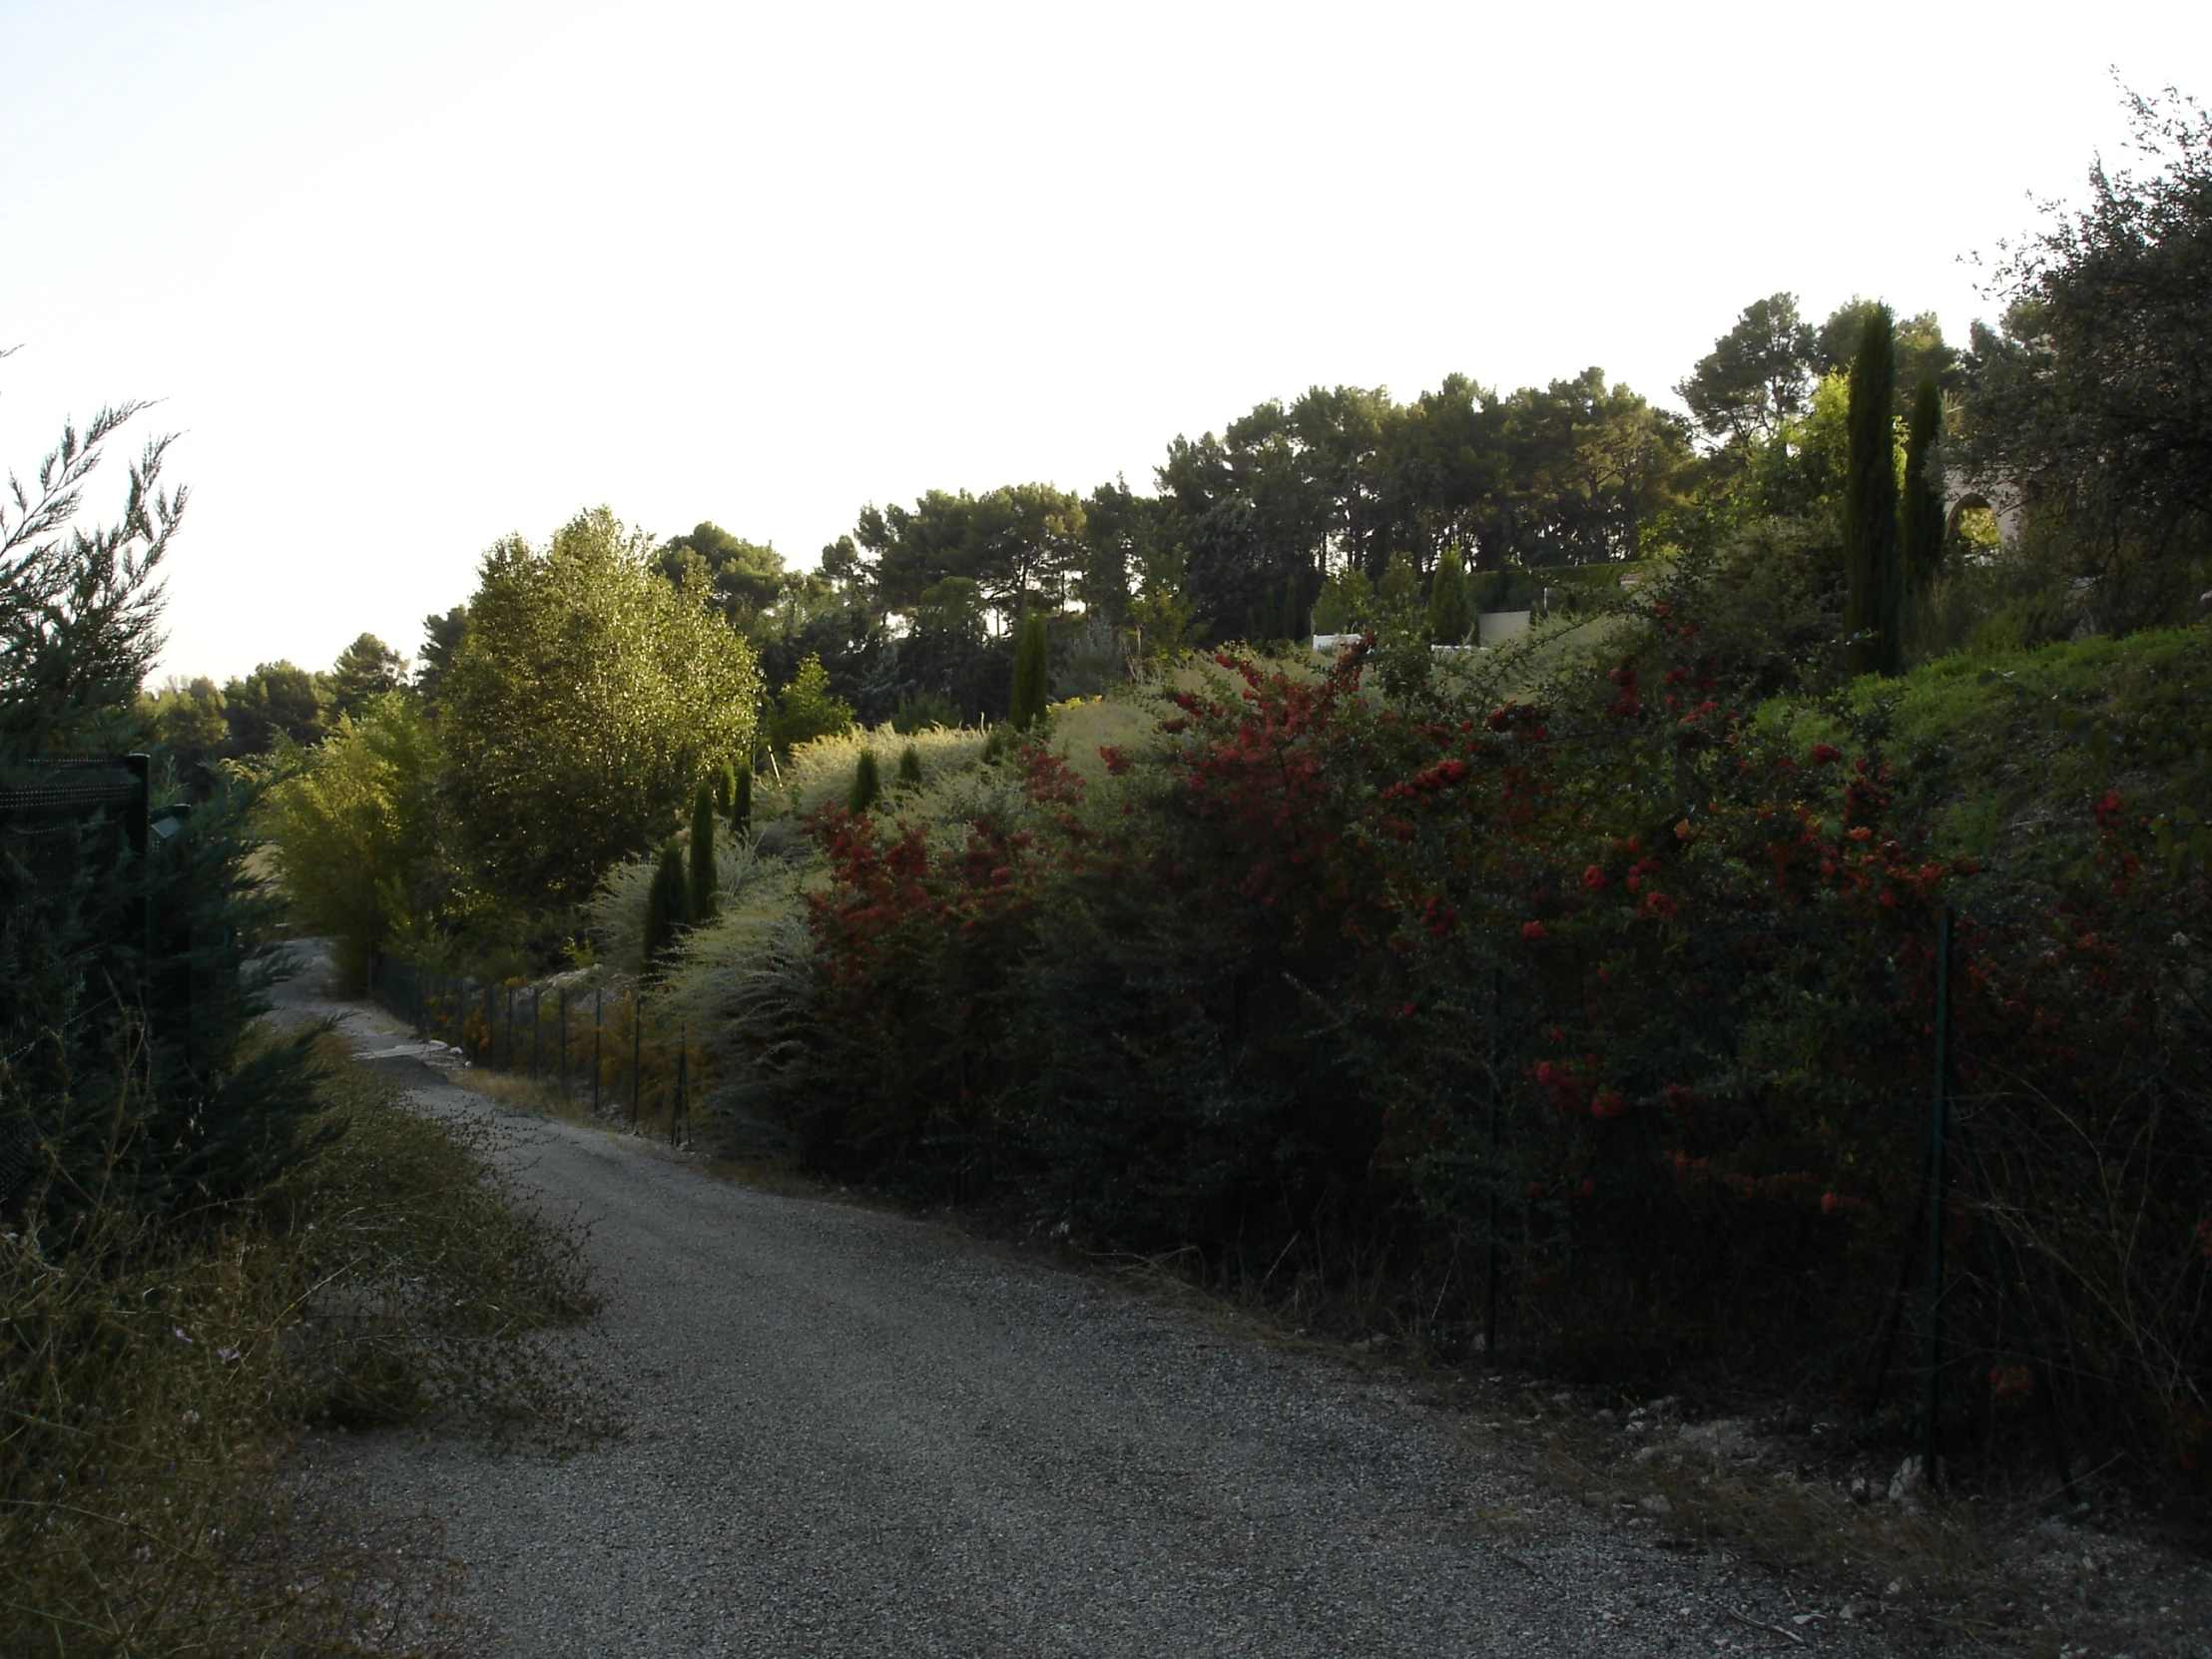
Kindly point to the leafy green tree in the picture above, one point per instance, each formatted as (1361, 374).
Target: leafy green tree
(1346, 602)
(1032, 674)
(910, 768)
(1922, 506)
(704, 883)
(667, 907)
(2092, 403)
(1758, 374)
(741, 578)
(808, 709)
(868, 785)
(349, 829)
(1872, 581)
(1451, 615)
(80, 609)
(1018, 543)
(586, 698)
(188, 721)
(278, 701)
(1917, 343)
(442, 638)
(367, 669)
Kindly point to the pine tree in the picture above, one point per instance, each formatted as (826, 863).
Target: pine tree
(1451, 618)
(667, 907)
(1872, 589)
(1032, 670)
(703, 885)
(910, 768)
(741, 800)
(867, 784)
(1923, 511)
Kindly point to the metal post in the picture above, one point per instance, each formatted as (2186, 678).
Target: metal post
(1932, 1392)
(595, 996)
(637, 1025)
(675, 1108)
(563, 1061)
(1489, 1292)
(537, 1032)
(491, 1030)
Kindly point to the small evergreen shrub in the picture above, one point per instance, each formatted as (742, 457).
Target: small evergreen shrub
(867, 784)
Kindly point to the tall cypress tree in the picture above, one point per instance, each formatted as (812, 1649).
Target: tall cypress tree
(667, 906)
(867, 784)
(741, 799)
(910, 768)
(703, 885)
(1874, 591)
(1451, 617)
(1923, 512)
(1033, 671)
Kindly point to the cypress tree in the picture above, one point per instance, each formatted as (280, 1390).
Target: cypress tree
(667, 903)
(1873, 591)
(867, 784)
(703, 885)
(741, 800)
(1032, 669)
(1450, 617)
(1923, 526)
(910, 768)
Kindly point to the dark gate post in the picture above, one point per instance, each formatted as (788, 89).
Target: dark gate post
(563, 1061)
(537, 1032)
(637, 1026)
(596, 992)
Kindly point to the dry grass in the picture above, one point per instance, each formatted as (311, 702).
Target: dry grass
(152, 1377)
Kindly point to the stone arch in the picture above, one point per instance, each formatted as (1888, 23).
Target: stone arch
(1962, 506)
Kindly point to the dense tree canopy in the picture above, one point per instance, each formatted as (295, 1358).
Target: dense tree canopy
(2093, 398)
(586, 700)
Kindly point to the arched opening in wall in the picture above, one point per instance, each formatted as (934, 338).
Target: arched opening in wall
(1971, 527)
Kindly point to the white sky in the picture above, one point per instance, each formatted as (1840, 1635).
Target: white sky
(411, 276)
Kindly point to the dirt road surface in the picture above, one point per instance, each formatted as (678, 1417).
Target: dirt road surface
(849, 1434)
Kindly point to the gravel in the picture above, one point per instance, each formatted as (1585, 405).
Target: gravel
(848, 1433)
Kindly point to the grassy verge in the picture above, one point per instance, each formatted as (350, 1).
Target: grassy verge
(149, 1381)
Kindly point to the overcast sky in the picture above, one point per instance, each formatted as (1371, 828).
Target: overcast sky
(409, 275)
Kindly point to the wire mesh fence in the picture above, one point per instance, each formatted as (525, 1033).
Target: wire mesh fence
(594, 1047)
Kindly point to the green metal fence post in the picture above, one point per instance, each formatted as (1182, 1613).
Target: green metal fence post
(636, 1029)
(595, 996)
(1932, 1383)
(563, 1042)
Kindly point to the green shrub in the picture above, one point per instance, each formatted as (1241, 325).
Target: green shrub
(910, 768)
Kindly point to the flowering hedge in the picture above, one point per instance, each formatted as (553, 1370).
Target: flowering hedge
(1653, 990)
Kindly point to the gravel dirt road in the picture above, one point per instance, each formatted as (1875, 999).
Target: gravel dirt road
(851, 1434)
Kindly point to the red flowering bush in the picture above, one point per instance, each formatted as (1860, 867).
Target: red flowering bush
(1648, 987)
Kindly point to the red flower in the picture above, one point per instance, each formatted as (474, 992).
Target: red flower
(1824, 754)
(1534, 930)
(1608, 1105)
(1828, 1204)
(1593, 877)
